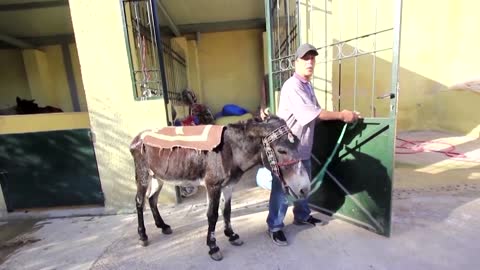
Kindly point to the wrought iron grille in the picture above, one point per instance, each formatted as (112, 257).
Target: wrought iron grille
(158, 65)
(175, 71)
(284, 37)
(349, 46)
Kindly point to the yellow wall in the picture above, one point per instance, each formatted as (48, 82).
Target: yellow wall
(58, 76)
(40, 74)
(39, 77)
(231, 68)
(115, 116)
(43, 122)
(457, 110)
(194, 78)
(82, 100)
(61, 86)
(438, 50)
(13, 79)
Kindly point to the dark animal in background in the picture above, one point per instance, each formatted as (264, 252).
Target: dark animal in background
(242, 146)
(28, 106)
(9, 111)
(25, 106)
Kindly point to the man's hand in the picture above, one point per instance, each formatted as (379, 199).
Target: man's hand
(349, 116)
(345, 115)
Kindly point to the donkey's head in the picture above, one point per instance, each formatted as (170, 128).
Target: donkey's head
(280, 155)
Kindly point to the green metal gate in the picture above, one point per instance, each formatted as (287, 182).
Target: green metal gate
(357, 68)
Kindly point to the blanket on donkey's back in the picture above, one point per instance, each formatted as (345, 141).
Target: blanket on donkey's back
(203, 137)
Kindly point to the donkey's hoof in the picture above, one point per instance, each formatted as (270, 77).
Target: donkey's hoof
(143, 243)
(167, 230)
(217, 256)
(236, 242)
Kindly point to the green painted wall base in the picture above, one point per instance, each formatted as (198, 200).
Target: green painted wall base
(47, 169)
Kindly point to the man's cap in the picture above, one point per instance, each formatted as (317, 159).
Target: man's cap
(304, 49)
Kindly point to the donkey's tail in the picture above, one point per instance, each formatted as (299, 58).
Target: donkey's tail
(136, 146)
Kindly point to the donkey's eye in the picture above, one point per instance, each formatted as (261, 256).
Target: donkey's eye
(282, 151)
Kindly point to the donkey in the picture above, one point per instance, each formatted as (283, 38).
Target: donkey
(241, 146)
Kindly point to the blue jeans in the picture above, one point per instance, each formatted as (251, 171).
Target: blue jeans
(278, 204)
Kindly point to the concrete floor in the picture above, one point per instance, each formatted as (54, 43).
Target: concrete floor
(435, 226)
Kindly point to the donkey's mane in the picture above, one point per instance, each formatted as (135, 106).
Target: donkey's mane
(256, 124)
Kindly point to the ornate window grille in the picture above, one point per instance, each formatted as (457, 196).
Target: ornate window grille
(158, 65)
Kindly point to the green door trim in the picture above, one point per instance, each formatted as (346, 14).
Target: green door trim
(271, 95)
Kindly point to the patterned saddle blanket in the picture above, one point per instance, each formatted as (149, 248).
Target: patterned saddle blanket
(203, 137)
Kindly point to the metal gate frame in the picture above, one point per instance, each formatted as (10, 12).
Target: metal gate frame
(359, 181)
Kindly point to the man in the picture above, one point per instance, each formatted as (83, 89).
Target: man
(300, 109)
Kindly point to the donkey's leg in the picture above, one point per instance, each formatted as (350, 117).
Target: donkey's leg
(227, 210)
(142, 184)
(213, 193)
(155, 188)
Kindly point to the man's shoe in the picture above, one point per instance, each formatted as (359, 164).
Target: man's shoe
(310, 221)
(278, 238)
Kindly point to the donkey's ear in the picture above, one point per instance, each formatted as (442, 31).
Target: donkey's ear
(264, 114)
(18, 99)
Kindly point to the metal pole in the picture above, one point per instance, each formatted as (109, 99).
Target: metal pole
(396, 58)
(374, 64)
(269, 52)
(394, 90)
(355, 79)
(156, 26)
(325, 91)
(340, 56)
